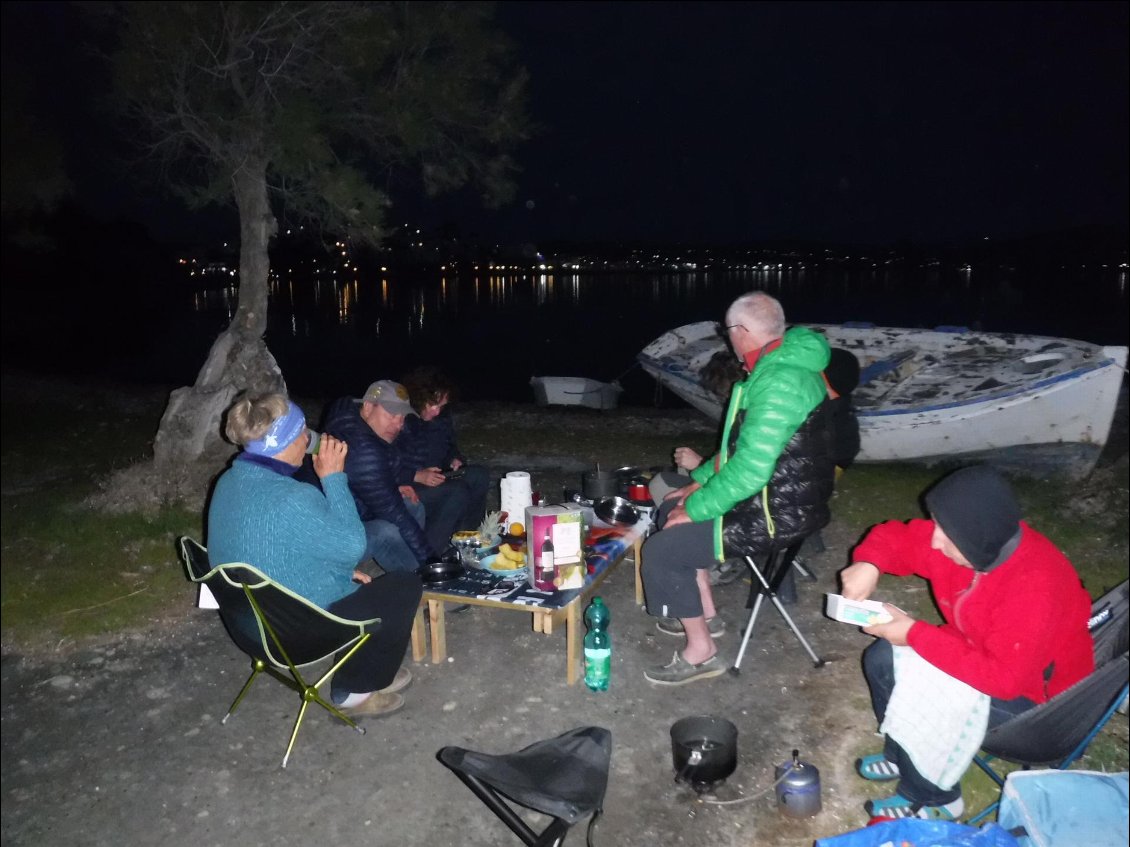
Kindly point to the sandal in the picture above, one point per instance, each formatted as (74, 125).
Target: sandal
(673, 626)
(723, 573)
(897, 806)
(877, 768)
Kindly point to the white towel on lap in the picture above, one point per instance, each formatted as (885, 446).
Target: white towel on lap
(939, 721)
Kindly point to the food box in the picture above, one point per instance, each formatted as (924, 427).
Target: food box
(565, 526)
(857, 612)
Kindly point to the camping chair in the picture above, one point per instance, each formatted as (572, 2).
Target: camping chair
(279, 630)
(1056, 733)
(766, 580)
(563, 777)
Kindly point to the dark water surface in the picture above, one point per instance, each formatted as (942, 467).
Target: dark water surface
(493, 332)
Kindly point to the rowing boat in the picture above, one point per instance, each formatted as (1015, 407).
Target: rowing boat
(575, 391)
(947, 394)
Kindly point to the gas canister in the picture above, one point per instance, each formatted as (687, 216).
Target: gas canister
(798, 788)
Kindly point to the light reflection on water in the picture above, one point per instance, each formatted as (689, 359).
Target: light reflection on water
(494, 331)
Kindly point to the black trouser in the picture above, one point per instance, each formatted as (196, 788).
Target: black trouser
(878, 667)
(394, 599)
(455, 504)
(672, 559)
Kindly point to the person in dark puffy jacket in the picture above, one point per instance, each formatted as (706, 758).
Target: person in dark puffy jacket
(767, 487)
(391, 513)
(454, 492)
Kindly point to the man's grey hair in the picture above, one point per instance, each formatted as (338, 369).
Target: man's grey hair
(758, 313)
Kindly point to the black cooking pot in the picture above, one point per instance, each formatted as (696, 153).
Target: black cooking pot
(442, 569)
(597, 484)
(705, 751)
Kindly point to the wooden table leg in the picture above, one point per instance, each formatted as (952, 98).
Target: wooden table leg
(419, 636)
(439, 631)
(637, 555)
(572, 639)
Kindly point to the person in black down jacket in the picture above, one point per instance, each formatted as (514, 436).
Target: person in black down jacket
(392, 514)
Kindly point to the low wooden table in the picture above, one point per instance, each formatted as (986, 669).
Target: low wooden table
(610, 547)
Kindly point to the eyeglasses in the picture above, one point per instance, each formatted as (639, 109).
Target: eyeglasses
(736, 326)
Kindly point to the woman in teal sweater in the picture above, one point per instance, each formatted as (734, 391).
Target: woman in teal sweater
(311, 541)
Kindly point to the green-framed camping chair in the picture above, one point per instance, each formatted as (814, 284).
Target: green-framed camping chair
(279, 630)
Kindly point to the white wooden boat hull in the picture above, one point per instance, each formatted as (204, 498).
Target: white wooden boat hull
(941, 396)
(575, 391)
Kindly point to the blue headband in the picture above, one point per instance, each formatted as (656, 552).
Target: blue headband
(282, 433)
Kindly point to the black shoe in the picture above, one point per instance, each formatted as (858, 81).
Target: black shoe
(723, 573)
(786, 591)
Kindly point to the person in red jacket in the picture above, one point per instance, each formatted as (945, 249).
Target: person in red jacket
(1014, 611)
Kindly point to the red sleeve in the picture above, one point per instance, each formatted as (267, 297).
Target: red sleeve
(898, 548)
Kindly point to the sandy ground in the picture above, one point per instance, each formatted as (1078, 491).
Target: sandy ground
(123, 743)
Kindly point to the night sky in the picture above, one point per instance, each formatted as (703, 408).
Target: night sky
(731, 122)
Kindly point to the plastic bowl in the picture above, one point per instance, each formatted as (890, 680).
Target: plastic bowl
(498, 559)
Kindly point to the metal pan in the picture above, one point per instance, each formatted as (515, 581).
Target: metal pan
(440, 570)
(616, 511)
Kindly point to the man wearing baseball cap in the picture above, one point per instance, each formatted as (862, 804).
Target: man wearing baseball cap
(393, 516)
(1013, 634)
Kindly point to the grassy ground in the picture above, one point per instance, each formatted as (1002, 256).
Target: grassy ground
(70, 573)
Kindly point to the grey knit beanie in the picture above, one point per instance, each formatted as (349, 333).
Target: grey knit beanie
(976, 508)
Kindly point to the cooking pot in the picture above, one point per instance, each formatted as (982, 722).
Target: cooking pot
(597, 484)
(442, 569)
(616, 511)
(637, 490)
(704, 750)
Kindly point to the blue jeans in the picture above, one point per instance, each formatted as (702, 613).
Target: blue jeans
(878, 667)
(384, 542)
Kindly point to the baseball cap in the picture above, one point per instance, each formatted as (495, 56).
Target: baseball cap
(390, 396)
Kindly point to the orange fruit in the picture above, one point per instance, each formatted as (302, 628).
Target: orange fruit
(517, 529)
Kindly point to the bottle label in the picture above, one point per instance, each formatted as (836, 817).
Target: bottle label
(598, 667)
(544, 572)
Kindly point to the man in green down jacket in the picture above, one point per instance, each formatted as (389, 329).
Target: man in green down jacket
(767, 486)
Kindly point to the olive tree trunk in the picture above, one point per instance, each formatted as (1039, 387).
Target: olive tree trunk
(191, 426)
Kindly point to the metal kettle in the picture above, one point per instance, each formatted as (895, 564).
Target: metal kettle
(798, 788)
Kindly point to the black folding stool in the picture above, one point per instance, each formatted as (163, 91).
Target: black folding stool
(564, 778)
(764, 583)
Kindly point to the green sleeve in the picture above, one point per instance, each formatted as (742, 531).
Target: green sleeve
(704, 471)
(776, 404)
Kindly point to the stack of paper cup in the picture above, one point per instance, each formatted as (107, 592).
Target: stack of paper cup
(516, 495)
